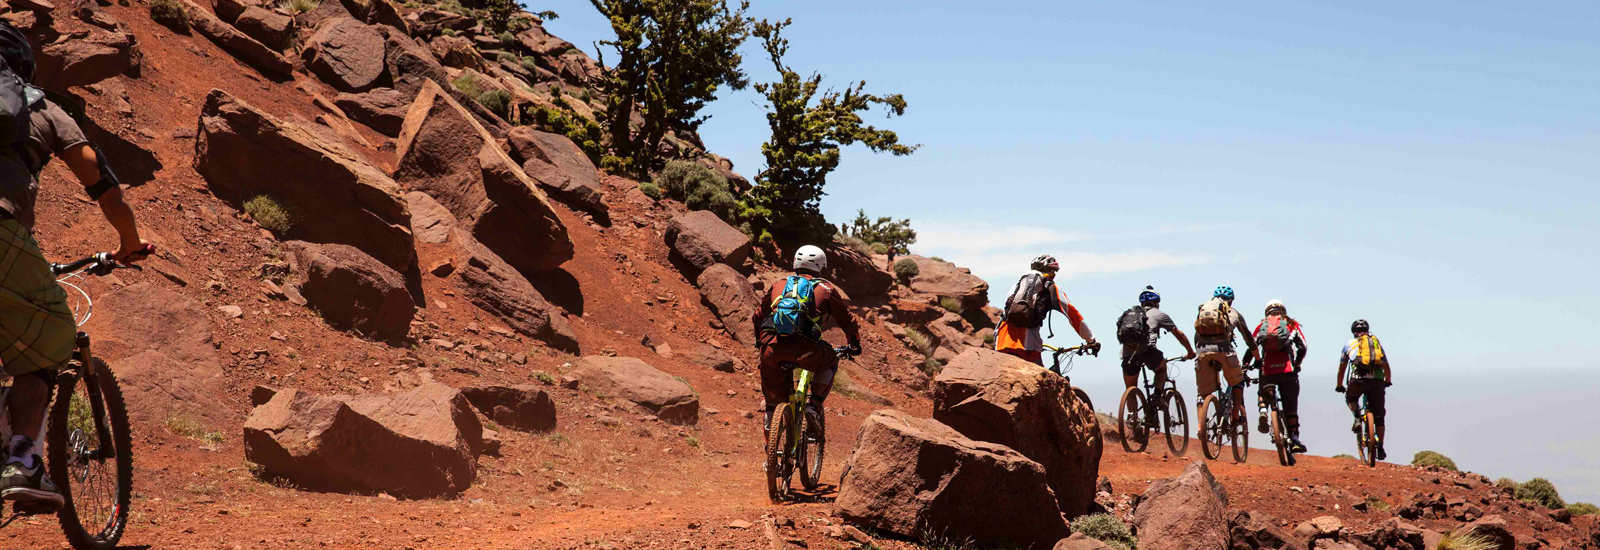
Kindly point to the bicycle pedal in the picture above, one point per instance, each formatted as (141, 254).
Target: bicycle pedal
(34, 508)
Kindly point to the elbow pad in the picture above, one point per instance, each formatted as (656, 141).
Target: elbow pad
(108, 178)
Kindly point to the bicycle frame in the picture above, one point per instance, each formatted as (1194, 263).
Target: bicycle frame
(797, 403)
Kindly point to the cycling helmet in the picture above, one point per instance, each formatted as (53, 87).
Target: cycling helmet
(1043, 263)
(810, 258)
(1224, 292)
(1278, 304)
(1360, 326)
(1149, 295)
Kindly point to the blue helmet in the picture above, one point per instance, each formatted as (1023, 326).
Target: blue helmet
(1149, 295)
(1224, 292)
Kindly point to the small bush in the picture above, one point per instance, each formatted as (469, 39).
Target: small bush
(1507, 483)
(905, 269)
(1466, 542)
(694, 443)
(448, 32)
(558, 439)
(1106, 528)
(190, 428)
(301, 6)
(545, 378)
(880, 248)
(1344, 455)
(920, 341)
(507, 57)
(1375, 503)
(1540, 491)
(506, 38)
(950, 304)
(269, 213)
(932, 366)
(497, 102)
(937, 259)
(170, 13)
(683, 180)
(715, 199)
(1583, 509)
(650, 190)
(469, 85)
(530, 64)
(582, 131)
(988, 338)
(1430, 458)
(855, 243)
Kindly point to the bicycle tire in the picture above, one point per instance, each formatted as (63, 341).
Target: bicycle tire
(1239, 431)
(812, 450)
(1083, 396)
(60, 467)
(1133, 426)
(1370, 433)
(1211, 429)
(1176, 425)
(777, 477)
(1280, 440)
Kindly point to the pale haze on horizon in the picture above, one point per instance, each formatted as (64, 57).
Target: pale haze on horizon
(1429, 166)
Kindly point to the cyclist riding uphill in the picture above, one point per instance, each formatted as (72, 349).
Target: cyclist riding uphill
(789, 331)
(1370, 375)
(37, 328)
(1213, 334)
(1028, 307)
(1138, 329)
(1283, 349)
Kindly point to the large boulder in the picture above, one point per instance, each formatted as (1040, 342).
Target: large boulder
(710, 357)
(345, 53)
(1080, 541)
(271, 28)
(409, 64)
(458, 52)
(332, 194)
(946, 280)
(382, 109)
(230, 10)
(431, 222)
(913, 476)
(560, 166)
(252, 51)
(733, 300)
(492, 284)
(526, 408)
(445, 153)
(417, 444)
(670, 398)
(84, 58)
(700, 239)
(536, 40)
(856, 274)
(1183, 513)
(1493, 528)
(991, 396)
(1393, 533)
(1257, 531)
(352, 290)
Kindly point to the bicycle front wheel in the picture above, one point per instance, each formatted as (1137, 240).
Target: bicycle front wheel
(812, 446)
(1369, 437)
(1213, 427)
(1280, 439)
(96, 481)
(1175, 422)
(779, 464)
(1130, 421)
(1240, 440)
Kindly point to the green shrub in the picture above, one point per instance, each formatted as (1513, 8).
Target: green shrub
(1540, 491)
(681, 179)
(1375, 503)
(507, 57)
(905, 269)
(301, 6)
(1466, 541)
(988, 338)
(880, 248)
(1344, 455)
(269, 213)
(932, 366)
(855, 243)
(170, 13)
(937, 259)
(530, 64)
(448, 32)
(1507, 483)
(497, 102)
(718, 200)
(506, 38)
(950, 303)
(1583, 509)
(468, 84)
(545, 378)
(1430, 458)
(1106, 528)
(920, 341)
(582, 131)
(650, 190)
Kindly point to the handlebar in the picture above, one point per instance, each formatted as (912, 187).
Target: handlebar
(1086, 349)
(844, 352)
(100, 264)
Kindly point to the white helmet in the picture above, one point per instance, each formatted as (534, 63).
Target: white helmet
(810, 258)
(1276, 304)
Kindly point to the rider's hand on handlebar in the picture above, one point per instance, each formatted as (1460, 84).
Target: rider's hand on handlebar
(854, 348)
(130, 254)
(1189, 356)
(1339, 388)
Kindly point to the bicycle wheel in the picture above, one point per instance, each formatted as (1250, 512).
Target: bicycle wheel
(779, 466)
(1239, 432)
(1280, 439)
(97, 483)
(1130, 423)
(1212, 428)
(1175, 421)
(812, 447)
(1370, 437)
(1083, 396)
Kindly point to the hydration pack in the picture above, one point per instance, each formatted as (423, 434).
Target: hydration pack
(1029, 306)
(791, 311)
(1274, 333)
(1133, 327)
(14, 100)
(1215, 318)
(1368, 351)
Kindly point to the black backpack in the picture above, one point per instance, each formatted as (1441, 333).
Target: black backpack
(1032, 302)
(1133, 327)
(16, 67)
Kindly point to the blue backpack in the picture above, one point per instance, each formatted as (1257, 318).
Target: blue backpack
(789, 311)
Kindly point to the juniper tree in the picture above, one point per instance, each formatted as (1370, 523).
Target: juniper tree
(894, 235)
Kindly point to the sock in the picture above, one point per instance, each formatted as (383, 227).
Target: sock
(22, 452)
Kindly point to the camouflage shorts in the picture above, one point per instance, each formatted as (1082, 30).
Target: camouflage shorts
(36, 325)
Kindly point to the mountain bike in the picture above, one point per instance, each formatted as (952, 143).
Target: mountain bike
(1367, 436)
(1220, 419)
(87, 441)
(1072, 353)
(796, 440)
(1169, 405)
(1280, 428)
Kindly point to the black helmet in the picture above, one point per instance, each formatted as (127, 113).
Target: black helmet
(15, 50)
(1360, 326)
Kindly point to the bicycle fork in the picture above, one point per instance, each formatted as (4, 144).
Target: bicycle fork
(97, 403)
(797, 404)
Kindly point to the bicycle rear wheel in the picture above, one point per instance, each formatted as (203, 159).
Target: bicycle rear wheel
(812, 446)
(779, 464)
(1213, 428)
(1280, 439)
(1239, 431)
(1175, 421)
(1083, 396)
(1369, 436)
(97, 482)
(1130, 423)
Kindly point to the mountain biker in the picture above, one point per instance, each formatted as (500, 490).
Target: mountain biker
(1143, 353)
(36, 325)
(789, 330)
(1280, 366)
(1028, 307)
(1214, 329)
(1370, 377)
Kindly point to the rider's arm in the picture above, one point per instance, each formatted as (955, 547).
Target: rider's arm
(1066, 308)
(1344, 360)
(837, 305)
(85, 164)
(1388, 371)
(1244, 330)
(1183, 339)
(1300, 350)
(763, 310)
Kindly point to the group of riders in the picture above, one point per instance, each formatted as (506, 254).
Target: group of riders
(790, 320)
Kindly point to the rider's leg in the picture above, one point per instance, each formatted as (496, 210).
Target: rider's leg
(1261, 402)
(777, 382)
(1375, 404)
(1289, 392)
(41, 337)
(1233, 372)
(825, 364)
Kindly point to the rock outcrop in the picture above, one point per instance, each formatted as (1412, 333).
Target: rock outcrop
(946, 280)
(991, 396)
(270, 28)
(445, 153)
(526, 408)
(352, 290)
(1257, 531)
(700, 240)
(417, 444)
(492, 284)
(252, 51)
(857, 275)
(671, 399)
(560, 166)
(382, 109)
(733, 300)
(346, 53)
(331, 195)
(409, 64)
(86, 58)
(1184, 513)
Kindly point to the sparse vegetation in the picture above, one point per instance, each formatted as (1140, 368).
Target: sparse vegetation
(650, 190)
(1344, 455)
(1377, 504)
(1430, 458)
(582, 131)
(694, 443)
(988, 338)
(495, 100)
(884, 233)
(905, 269)
(920, 341)
(545, 378)
(699, 188)
(170, 13)
(1468, 541)
(448, 32)
(929, 541)
(932, 366)
(269, 213)
(558, 439)
(1106, 528)
(300, 6)
(1583, 509)
(1540, 491)
(937, 259)
(530, 64)
(1507, 483)
(950, 304)
(855, 243)
(186, 426)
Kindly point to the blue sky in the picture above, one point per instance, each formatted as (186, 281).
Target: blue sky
(1428, 166)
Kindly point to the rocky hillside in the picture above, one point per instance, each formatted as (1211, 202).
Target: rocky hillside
(397, 306)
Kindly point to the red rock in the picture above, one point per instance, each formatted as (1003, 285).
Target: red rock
(946, 280)
(382, 109)
(353, 290)
(345, 53)
(671, 399)
(700, 240)
(559, 166)
(1184, 512)
(526, 408)
(732, 299)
